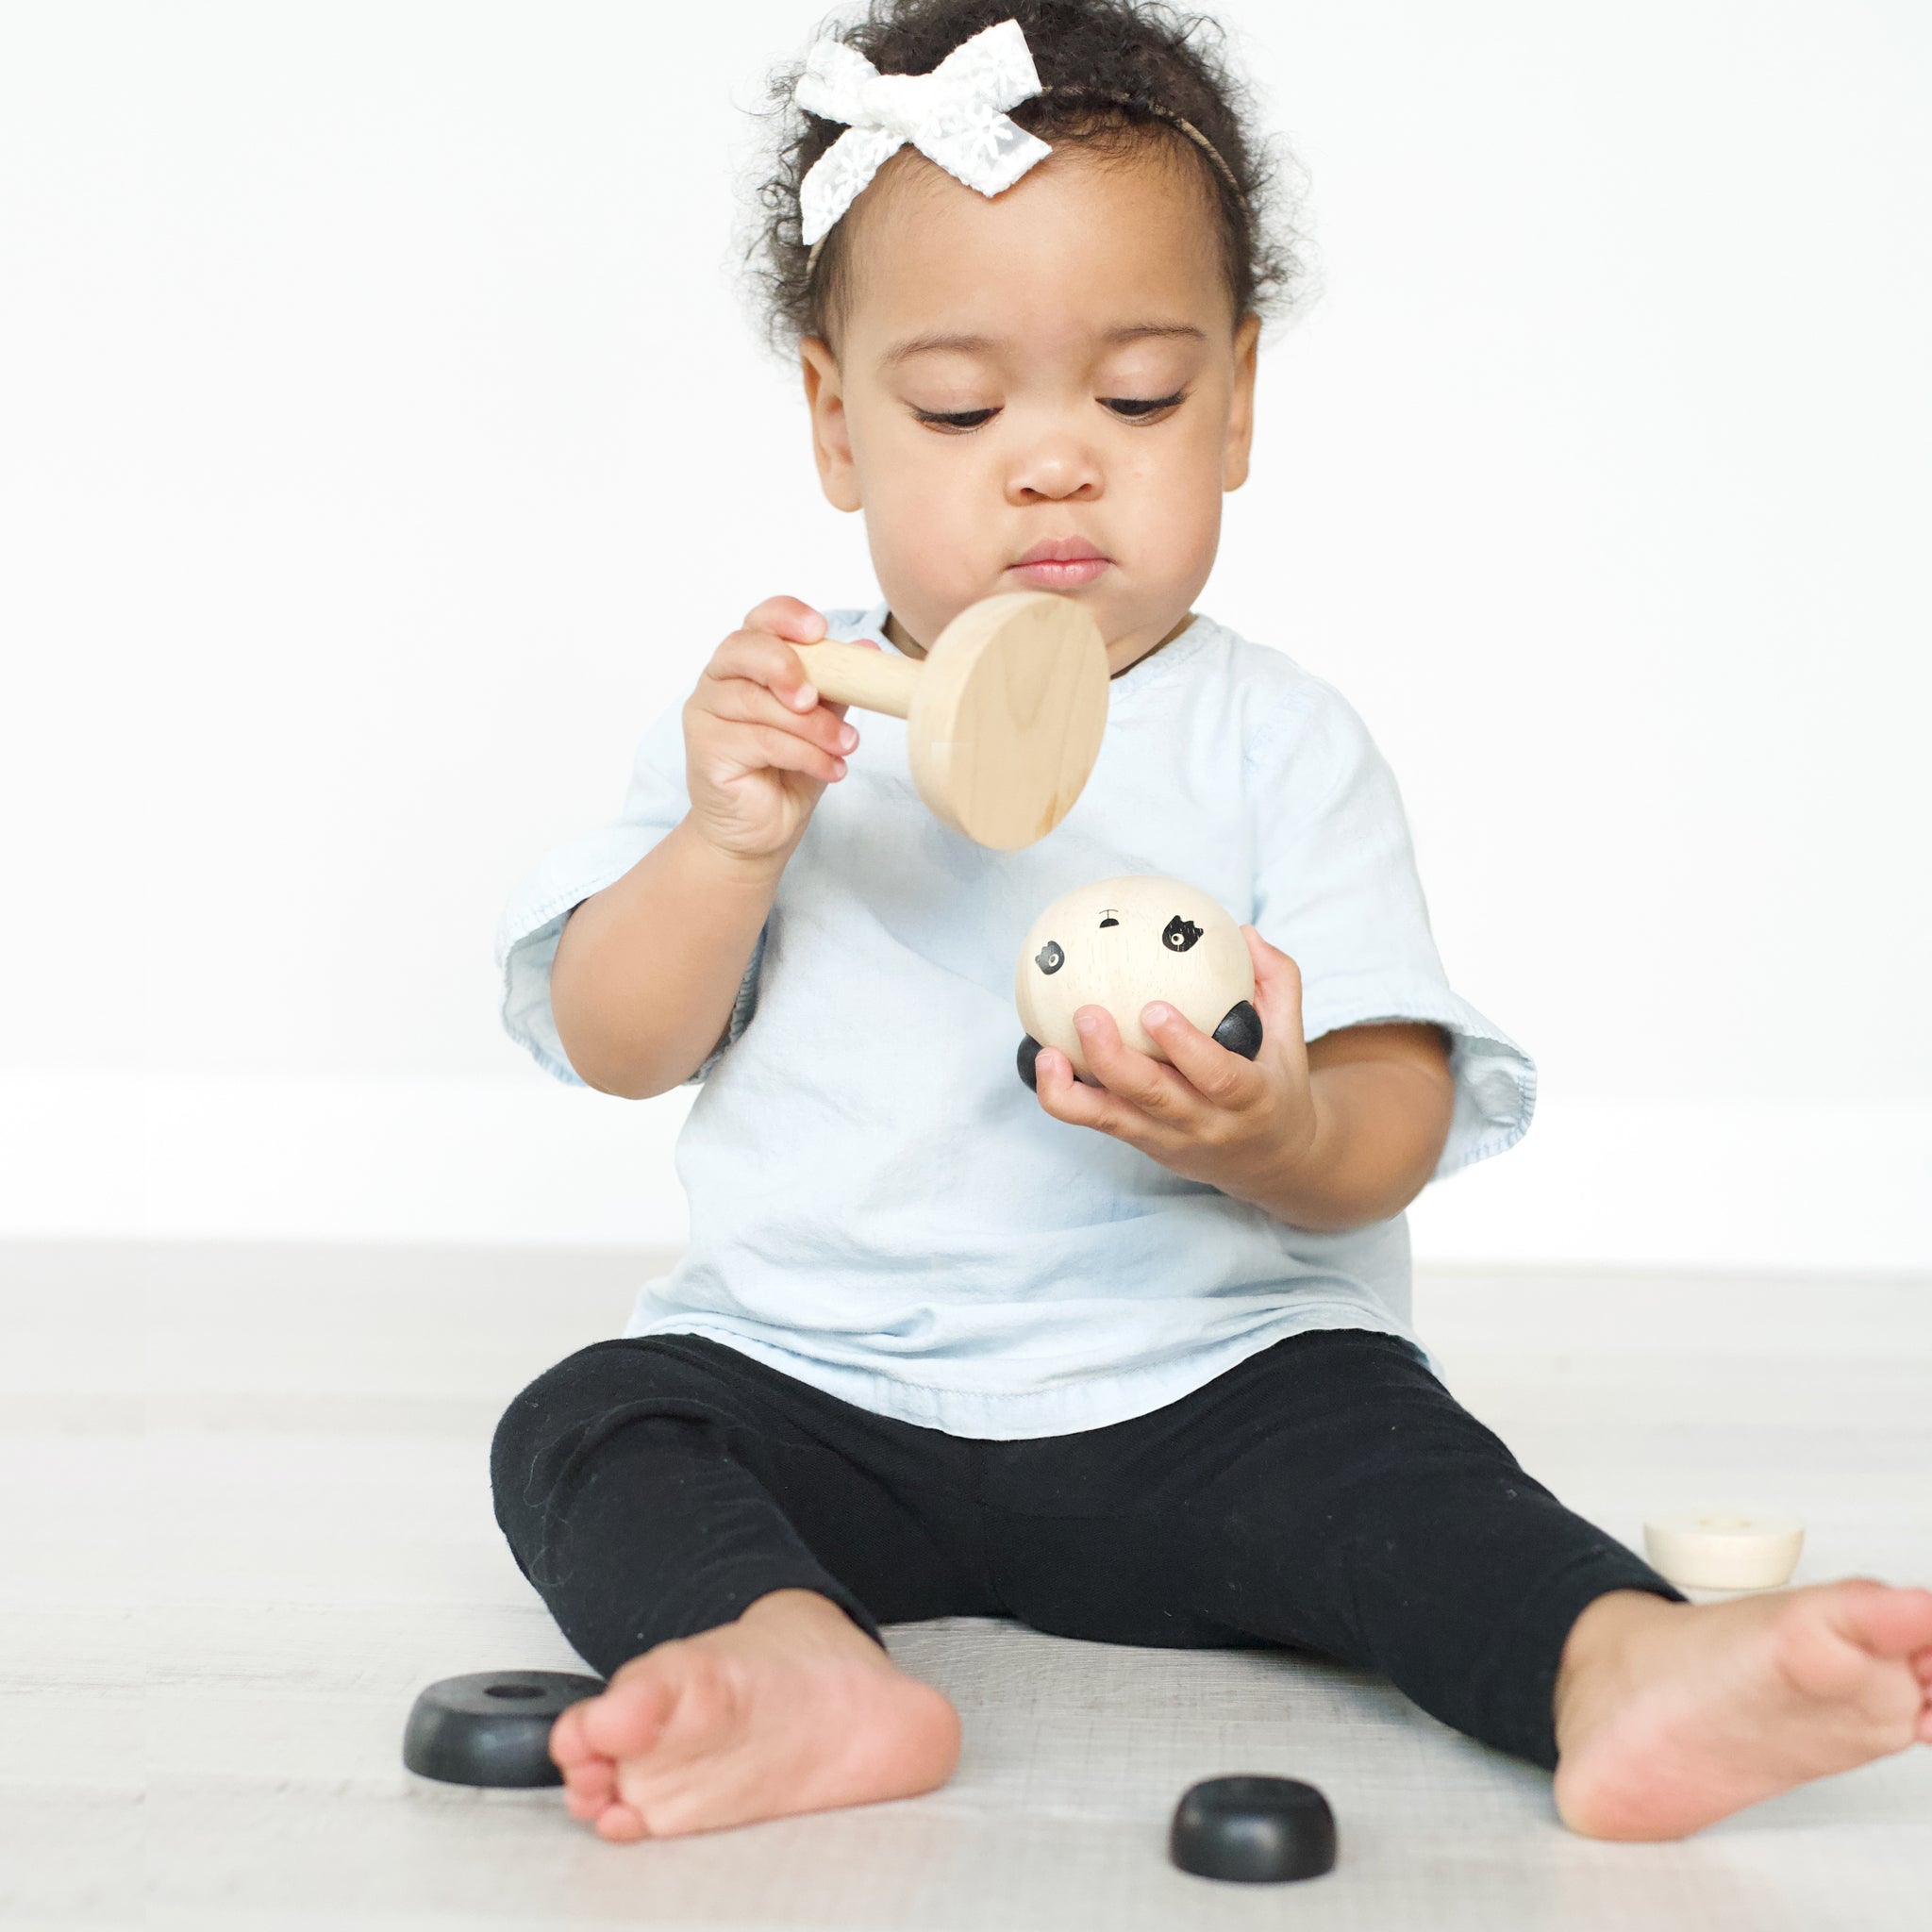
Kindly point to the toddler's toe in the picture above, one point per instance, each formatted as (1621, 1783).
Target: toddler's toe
(567, 1745)
(593, 1782)
(627, 1720)
(619, 1824)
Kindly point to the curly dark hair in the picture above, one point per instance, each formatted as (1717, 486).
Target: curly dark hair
(1122, 72)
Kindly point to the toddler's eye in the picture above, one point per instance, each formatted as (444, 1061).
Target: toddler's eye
(955, 418)
(1139, 409)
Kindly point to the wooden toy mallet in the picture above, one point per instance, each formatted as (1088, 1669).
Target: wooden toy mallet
(1004, 718)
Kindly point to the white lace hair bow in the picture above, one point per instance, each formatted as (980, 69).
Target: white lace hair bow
(956, 116)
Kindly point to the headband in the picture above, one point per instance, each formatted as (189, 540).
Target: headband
(955, 116)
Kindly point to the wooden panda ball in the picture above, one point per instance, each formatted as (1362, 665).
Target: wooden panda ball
(1121, 942)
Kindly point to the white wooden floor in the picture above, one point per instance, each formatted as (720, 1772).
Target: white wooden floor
(245, 1509)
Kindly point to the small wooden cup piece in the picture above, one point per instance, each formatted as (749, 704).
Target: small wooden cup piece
(1718, 1549)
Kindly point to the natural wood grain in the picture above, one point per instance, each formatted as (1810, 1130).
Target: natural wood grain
(1004, 716)
(861, 674)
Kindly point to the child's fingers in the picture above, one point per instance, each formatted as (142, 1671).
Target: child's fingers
(1277, 995)
(786, 617)
(1220, 1077)
(730, 750)
(796, 622)
(765, 659)
(1068, 1100)
(1136, 1077)
(740, 701)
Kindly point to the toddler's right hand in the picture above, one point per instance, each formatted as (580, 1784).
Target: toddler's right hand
(760, 746)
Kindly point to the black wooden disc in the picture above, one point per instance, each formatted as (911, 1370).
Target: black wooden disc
(1254, 1830)
(492, 1729)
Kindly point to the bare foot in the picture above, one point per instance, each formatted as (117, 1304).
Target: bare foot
(791, 1709)
(1670, 1716)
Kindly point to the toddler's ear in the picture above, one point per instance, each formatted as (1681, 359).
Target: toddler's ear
(831, 436)
(1240, 410)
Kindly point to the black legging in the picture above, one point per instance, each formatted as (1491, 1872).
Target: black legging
(1327, 1493)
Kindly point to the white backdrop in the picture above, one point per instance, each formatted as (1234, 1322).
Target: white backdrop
(382, 445)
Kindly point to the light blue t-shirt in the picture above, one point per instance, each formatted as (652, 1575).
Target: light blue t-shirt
(880, 1207)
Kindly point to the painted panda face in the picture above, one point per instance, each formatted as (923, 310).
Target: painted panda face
(1177, 936)
(1121, 942)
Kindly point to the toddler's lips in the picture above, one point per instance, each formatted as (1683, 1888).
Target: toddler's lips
(1059, 576)
(1044, 571)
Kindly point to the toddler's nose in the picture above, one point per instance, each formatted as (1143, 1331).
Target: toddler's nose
(1058, 468)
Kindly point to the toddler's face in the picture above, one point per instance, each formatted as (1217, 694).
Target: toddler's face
(1046, 390)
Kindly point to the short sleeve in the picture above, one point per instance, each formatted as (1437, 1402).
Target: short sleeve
(1337, 889)
(533, 917)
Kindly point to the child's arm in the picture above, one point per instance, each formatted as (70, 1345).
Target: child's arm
(1325, 1137)
(647, 969)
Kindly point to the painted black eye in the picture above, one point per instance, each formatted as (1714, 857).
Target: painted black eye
(1180, 934)
(1050, 958)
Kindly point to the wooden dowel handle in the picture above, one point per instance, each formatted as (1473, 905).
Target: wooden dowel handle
(854, 674)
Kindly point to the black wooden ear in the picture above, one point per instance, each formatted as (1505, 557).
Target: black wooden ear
(1029, 1051)
(1240, 1032)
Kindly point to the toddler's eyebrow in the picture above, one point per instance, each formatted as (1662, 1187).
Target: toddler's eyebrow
(978, 345)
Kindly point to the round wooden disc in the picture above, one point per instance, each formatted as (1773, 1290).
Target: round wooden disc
(1009, 716)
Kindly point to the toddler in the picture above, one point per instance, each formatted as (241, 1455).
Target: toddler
(1128, 1358)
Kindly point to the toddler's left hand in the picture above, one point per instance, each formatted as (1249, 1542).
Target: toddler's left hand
(1240, 1125)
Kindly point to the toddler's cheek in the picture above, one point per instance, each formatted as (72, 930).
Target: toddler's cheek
(934, 542)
